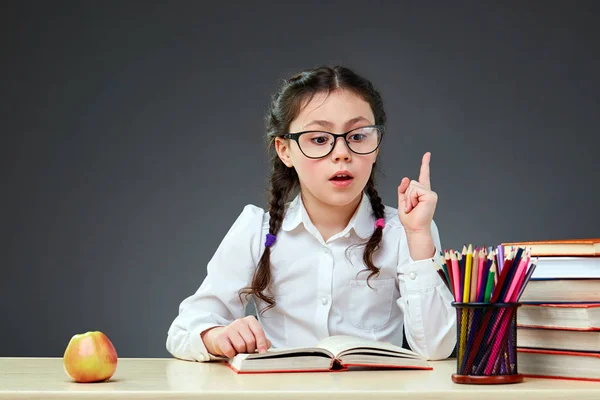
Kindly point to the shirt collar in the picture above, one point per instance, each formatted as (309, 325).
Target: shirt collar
(363, 220)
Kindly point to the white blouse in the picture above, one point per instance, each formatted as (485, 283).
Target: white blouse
(318, 287)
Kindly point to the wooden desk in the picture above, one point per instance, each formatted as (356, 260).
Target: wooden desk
(26, 378)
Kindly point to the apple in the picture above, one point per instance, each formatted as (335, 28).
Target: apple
(90, 357)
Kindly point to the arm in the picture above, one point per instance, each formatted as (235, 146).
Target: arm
(429, 318)
(216, 302)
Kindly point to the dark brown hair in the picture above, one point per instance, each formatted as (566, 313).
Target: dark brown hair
(285, 106)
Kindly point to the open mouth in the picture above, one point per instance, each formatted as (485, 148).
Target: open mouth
(341, 178)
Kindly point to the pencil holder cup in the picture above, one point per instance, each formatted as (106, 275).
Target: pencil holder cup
(486, 338)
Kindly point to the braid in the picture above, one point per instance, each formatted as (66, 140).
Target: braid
(283, 180)
(375, 239)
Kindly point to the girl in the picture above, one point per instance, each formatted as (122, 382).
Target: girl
(334, 260)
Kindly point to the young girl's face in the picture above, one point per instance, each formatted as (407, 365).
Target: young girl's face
(336, 112)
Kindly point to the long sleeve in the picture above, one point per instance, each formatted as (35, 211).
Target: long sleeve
(216, 302)
(429, 318)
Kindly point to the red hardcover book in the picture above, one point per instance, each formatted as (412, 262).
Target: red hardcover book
(559, 339)
(570, 316)
(552, 364)
(547, 291)
(565, 247)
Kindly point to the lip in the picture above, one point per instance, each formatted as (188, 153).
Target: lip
(342, 184)
(343, 172)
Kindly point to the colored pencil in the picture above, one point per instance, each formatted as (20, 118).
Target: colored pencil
(490, 283)
(526, 280)
(468, 265)
(500, 250)
(474, 275)
(440, 272)
(457, 276)
(449, 271)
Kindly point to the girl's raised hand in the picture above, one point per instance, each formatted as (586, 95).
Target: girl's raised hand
(416, 200)
(244, 335)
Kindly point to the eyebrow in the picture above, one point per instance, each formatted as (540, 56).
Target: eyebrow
(329, 124)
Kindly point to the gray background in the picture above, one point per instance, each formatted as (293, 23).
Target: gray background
(132, 137)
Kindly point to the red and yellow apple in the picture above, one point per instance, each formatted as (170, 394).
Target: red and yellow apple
(90, 357)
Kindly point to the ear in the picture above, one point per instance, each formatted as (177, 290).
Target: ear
(282, 147)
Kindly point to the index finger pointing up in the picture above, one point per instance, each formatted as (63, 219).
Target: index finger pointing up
(424, 175)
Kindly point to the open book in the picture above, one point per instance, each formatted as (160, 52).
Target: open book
(335, 353)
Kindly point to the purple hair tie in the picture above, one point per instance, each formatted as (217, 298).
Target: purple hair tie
(380, 223)
(270, 240)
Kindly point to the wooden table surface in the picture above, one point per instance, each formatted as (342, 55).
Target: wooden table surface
(141, 378)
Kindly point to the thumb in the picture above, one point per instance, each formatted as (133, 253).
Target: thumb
(402, 192)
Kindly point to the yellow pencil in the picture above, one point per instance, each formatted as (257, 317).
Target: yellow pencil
(467, 281)
(465, 298)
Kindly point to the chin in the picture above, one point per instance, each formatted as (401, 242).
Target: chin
(342, 198)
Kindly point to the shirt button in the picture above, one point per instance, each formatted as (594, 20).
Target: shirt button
(412, 276)
(324, 300)
(326, 250)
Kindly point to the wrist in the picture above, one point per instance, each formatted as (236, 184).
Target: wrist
(420, 244)
(417, 232)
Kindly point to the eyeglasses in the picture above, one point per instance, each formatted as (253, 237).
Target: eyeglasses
(318, 144)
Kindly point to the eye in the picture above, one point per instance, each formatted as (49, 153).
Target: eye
(319, 139)
(357, 137)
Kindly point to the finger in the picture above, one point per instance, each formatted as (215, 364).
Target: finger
(424, 175)
(414, 196)
(237, 341)
(402, 192)
(407, 201)
(262, 344)
(404, 185)
(248, 337)
(224, 346)
(416, 185)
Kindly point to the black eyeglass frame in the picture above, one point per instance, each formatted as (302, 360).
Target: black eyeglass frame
(296, 137)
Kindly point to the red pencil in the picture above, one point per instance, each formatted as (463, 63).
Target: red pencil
(456, 274)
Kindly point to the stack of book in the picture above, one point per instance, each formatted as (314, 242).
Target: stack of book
(558, 324)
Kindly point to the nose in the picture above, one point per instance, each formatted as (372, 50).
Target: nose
(340, 150)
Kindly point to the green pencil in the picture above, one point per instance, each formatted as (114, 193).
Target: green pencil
(490, 283)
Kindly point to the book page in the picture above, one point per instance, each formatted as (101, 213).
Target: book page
(291, 362)
(287, 352)
(341, 344)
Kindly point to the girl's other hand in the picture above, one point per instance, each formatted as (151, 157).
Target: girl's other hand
(416, 200)
(244, 335)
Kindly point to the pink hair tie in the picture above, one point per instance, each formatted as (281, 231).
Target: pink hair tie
(380, 222)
